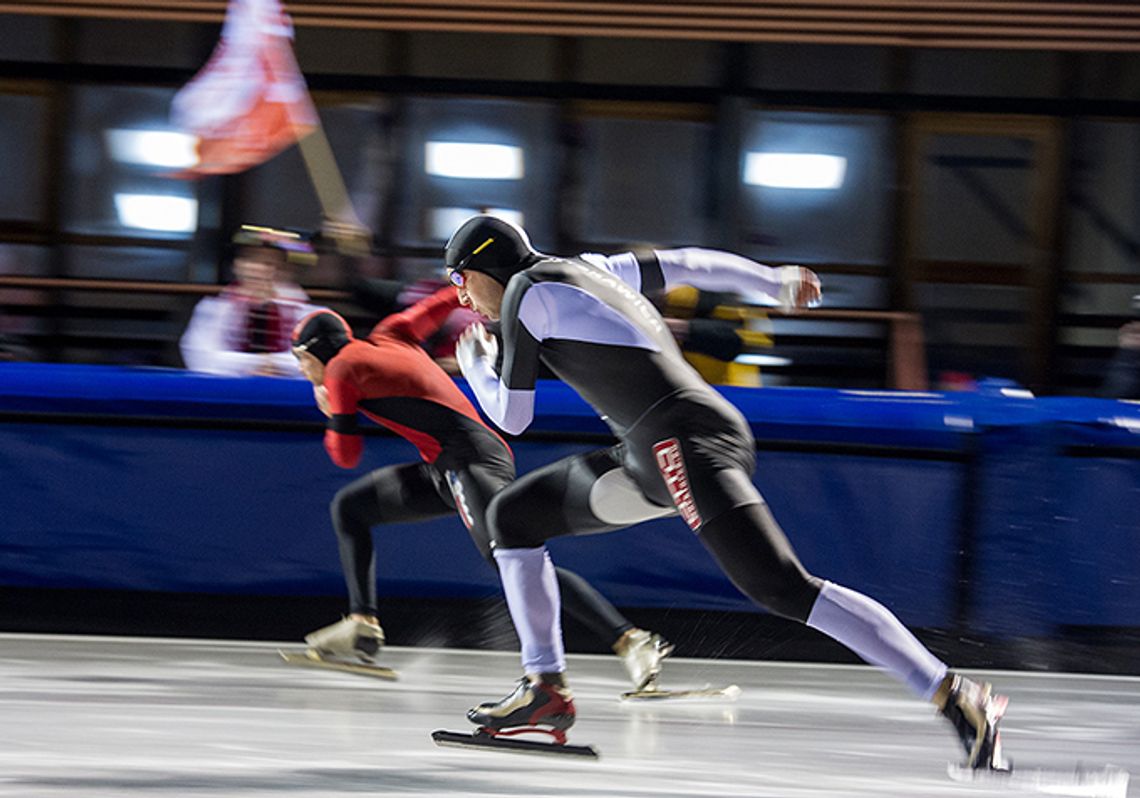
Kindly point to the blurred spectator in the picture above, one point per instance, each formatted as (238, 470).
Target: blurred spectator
(246, 329)
(1122, 381)
(711, 329)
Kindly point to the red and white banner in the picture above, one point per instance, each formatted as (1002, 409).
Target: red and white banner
(249, 101)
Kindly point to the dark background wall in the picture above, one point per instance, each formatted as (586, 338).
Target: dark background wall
(990, 184)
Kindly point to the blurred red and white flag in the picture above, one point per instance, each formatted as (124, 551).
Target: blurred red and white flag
(249, 101)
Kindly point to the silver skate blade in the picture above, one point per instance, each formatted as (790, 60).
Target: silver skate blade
(450, 739)
(1107, 781)
(311, 659)
(653, 693)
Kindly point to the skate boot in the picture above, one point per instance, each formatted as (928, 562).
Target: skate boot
(540, 703)
(641, 653)
(346, 639)
(975, 713)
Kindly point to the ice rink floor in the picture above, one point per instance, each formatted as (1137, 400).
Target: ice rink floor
(125, 717)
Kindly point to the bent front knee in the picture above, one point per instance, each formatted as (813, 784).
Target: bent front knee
(792, 598)
(512, 526)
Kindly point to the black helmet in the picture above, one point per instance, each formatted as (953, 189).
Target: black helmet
(490, 245)
(322, 334)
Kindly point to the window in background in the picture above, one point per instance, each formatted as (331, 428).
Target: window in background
(978, 234)
(846, 220)
(805, 171)
(22, 148)
(1103, 253)
(468, 161)
(644, 175)
(817, 189)
(523, 134)
(975, 199)
(1104, 203)
(119, 178)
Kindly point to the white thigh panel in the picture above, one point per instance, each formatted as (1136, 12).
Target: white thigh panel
(616, 499)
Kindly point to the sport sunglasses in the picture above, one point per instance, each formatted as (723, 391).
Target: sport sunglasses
(455, 276)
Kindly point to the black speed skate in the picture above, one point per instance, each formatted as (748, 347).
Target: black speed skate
(975, 712)
(534, 706)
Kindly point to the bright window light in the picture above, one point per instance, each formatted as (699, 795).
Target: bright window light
(794, 170)
(157, 212)
(442, 222)
(762, 360)
(163, 148)
(474, 161)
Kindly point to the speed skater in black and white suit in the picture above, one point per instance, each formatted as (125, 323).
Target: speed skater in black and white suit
(683, 450)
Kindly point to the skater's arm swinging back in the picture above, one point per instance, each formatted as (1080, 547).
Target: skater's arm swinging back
(714, 270)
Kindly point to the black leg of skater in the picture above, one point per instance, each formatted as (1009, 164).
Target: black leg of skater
(407, 492)
(394, 494)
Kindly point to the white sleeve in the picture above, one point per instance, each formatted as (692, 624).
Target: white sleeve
(205, 346)
(508, 401)
(714, 270)
(510, 410)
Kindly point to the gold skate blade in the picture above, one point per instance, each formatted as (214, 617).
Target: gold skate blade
(729, 693)
(311, 659)
(450, 739)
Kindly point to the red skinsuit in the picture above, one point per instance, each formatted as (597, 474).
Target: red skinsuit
(394, 382)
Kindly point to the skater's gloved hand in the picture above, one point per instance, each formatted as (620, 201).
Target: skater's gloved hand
(475, 344)
(321, 394)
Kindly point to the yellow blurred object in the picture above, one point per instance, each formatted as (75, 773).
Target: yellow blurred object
(681, 302)
(720, 372)
(684, 302)
(754, 338)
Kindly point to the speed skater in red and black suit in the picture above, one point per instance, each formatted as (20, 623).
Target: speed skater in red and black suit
(391, 380)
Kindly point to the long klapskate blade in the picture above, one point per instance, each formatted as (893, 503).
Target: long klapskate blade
(307, 660)
(729, 693)
(486, 741)
(1103, 781)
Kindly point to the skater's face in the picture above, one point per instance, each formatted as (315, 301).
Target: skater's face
(312, 368)
(482, 293)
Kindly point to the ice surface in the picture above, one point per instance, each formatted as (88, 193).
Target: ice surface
(93, 717)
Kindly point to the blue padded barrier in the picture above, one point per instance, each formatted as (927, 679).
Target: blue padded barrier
(1012, 515)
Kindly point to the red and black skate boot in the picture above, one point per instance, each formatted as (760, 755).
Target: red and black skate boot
(540, 703)
(975, 713)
